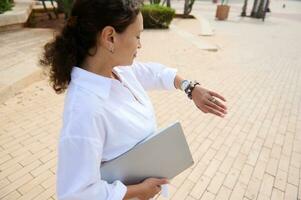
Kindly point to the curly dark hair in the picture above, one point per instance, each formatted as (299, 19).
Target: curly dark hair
(71, 46)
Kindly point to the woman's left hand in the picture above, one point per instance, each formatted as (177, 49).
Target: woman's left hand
(205, 100)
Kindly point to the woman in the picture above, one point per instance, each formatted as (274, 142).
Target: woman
(107, 110)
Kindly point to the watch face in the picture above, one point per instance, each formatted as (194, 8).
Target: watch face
(185, 84)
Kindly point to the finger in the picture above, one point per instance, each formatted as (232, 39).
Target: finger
(162, 181)
(217, 95)
(220, 105)
(157, 189)
(216, 106)
(202, 109)
(213, 111)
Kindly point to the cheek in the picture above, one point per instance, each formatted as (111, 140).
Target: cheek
(130, 45)
(127, 45)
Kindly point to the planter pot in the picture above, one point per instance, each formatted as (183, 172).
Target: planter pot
(222, 12)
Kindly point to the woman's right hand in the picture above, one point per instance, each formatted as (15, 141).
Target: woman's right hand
(145, 190)
(150, 187)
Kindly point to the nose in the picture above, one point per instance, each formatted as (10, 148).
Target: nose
(139, 45)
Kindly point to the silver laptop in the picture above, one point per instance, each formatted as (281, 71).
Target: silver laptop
(164, 154)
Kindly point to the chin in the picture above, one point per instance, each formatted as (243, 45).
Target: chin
(126, 63)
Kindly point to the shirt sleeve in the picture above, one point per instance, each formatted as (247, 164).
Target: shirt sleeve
(155, 76)
(79, 159)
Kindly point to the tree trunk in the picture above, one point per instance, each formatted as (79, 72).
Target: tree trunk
(168, 3)
(260, 10)
(60, 6)
(244, 9)
(188, 7)
(254, 9)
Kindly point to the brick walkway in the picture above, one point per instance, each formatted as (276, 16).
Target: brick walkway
(254, 153)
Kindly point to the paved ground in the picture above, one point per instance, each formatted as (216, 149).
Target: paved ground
(254, 153)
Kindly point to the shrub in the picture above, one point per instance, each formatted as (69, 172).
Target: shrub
(156, 16)
(5, 5)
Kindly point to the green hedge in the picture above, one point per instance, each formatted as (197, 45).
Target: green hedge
(5, 5)
(156, 16)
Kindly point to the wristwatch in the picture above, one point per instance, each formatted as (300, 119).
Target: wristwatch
(184, 85)
(190, 88)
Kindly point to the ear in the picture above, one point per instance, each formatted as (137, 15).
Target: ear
(107, 37)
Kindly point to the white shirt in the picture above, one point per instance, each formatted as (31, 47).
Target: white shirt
(102, 119)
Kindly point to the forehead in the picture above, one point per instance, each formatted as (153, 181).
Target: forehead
(137, 25)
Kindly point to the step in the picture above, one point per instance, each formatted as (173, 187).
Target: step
(18, 16)
(20, 51)
(205, 27)
(193, 39)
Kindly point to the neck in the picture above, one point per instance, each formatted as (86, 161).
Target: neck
(98, 66)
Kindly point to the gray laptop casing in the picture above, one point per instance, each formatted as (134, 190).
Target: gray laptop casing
(162, 155)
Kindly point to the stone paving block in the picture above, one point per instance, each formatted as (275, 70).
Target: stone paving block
(222, 153)
(264, 154)
(226, 165)
(208, 196)
(35, 191)
(224, 193)
(12, 196)
(291, 192)
(178, 180)
(189, 198)
(49, 182)
(24, 189)
(44, 167)
(263, 197)
(197, 172)
(267, 185)
(246, 147)
(231, 178)
(12, 187)
(183, 190)
(10, 170)
(32, 158)
(209, 156)
(293, 176)
(212, 168)
(4, 182)
(246, 174)
(239, 161)
(200, 187)
(281, 180)
(299, 191)
(46, 193)
(24, 171)
(277, 194)
(216, 183)
(259, 170)
(272, 166)
(296, 160)
(238, 191)
(202, 150)
(284, 163)
(253, 188)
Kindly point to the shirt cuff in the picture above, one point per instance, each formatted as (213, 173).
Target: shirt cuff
(169, 78)
(121, 188)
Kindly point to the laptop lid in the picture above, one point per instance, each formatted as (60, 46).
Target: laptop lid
(165, 154)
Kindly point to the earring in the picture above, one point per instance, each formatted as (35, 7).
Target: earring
(112, 49)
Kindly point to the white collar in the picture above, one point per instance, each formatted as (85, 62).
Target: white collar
(100, 85)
